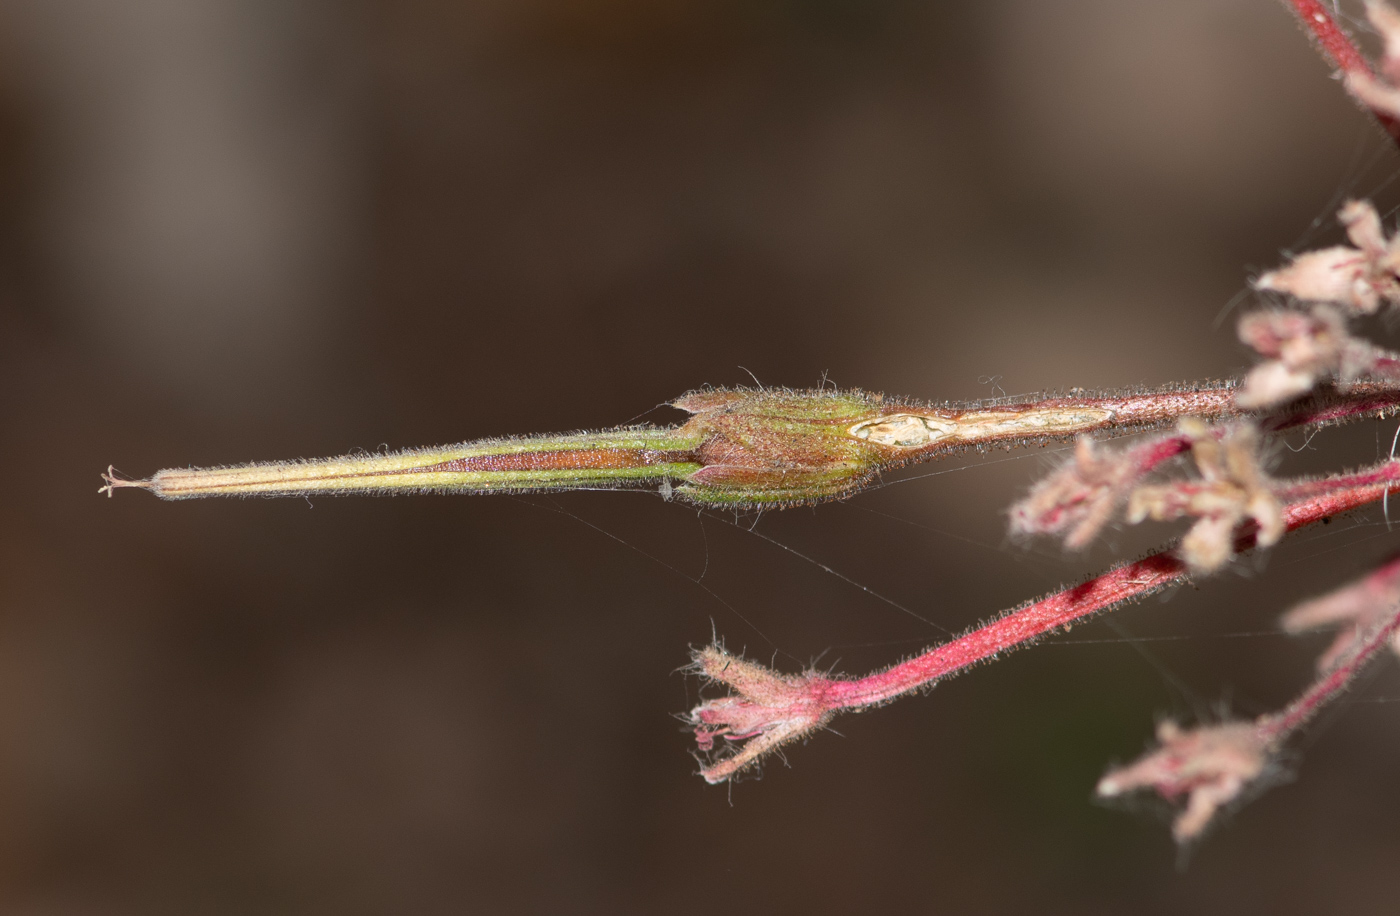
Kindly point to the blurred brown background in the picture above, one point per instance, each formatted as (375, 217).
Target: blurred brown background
(277, 228)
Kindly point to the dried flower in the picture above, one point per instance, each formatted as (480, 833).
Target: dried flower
(1355, 609)
(1337, 274)
(1304, 348)
(766, 710)
(1210, 766)
(1387, 23)
(1086, 493)
(1357, 278)
(1232, 488)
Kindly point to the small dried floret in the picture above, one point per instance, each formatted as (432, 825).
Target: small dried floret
(1337, 274)
(1363, 226)
(1375, 94)
(766, 710)
(1086, 493)
(1232, 488)
(1210, 766)
(1358, 278)
(1303, 348)
(1355, 608)
(1080, 498)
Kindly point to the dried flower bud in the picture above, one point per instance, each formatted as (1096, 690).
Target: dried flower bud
(1272, 383)
(1232, 488)
(1210, 766)
(1363, 226)
(1302, 346)
(1355, 609)
(1302, 338)
(1373, 93)
(766, 710)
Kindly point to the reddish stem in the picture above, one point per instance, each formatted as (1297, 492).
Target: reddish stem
(1314, 501)
(1125, 583)
(1360, 399)
(1336, 45)
(1379, 478)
